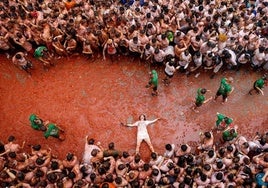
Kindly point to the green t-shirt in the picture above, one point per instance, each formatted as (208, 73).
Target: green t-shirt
(227, 136)
(154, 79)
(227, 88)
(35, 124)
(170, 36)
(259, 83)
(220, 118)
(222, 86)
(52, 130)
(200, 98)
(39, 51)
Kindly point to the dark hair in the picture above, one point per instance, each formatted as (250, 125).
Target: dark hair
(69, 156)
(91, 141)
(168, 147)
(125, 154)
(12, 154)
(210, 153)
(155, 172)
(36, 147)
(137, 158)
(54, 165)
(111, 145)
(184, 147)
(219, 164)
(207, 134)
(219, 176)
(153, 155)
(118, 180)
(11, 138)
(207, 167)
(39, 161)
(121, 166)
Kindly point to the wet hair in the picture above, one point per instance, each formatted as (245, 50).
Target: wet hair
(92, 176)
(52, 177)
(111, 145)
(230, 177)
(181, 161)
(12, 155)
(118, 180)
(39, 173)
(109, 178)
(125, 154)
(219, 176)
(146, 166)
(150, 182)
(147, 46)
(36, 147)
(189, 170)
(144, 116)
(168, 147)
(18, 56)
(11, 138)
(229, 148)
(156, 51)
(121, 166)
(71, 175)
(70, 156)
(207, 167)
(90, 141)
(105, 185)
(170, 165)
(219, 164)
(247, 170)
(153, 155)
(54, 165)
(137, 158)
(210, 153)
(184, 147)
(207, 134)
(203, 90)
(20, 175)
(39, 161)
(188, 180)
(203, 177)
(155, 172)
(94, 152)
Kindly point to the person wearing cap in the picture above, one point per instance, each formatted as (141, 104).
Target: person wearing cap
(259, 85)
(153, 82)
(142, 133)
(225, 89)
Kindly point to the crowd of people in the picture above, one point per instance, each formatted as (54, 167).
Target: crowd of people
(236, 162)
(181, 36)
(187, 34)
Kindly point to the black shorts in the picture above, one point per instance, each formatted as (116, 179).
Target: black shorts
(224, 96)
(198, 104)
(170, 76)
(155, 88)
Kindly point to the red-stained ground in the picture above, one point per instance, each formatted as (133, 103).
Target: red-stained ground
(87, 97)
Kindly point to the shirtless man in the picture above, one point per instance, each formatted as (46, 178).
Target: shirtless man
(142, 133)
(19, 60)
(109, 48)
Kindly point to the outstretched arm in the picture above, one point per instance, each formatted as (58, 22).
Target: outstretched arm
(151, 121)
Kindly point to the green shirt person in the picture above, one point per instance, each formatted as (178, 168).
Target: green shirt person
(259, 85)
(53, 131)
(229, 134)
(42, 54)
(200, 98)
(36, 122)
(223, 121)
(153, 82)
(225, 89)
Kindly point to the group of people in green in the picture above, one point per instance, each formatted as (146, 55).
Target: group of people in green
(49, 129)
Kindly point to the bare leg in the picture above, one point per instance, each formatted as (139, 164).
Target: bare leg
(148, 141)
(138, 146)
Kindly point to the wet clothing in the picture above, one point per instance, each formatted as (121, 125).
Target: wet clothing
(39, 51)
(259, 181)
(224, 89)
(223, 121)
(259, 83)
(114, 153)
(154, 79)
(200, 98)
(52, 130)
(36, 123)
(228, 136)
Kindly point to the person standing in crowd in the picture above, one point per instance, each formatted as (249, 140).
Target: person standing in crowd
(225, 89)
(259, 85)
(153, 82)
(200, 99)
(170, 69)
(142, 132)
(229, 134)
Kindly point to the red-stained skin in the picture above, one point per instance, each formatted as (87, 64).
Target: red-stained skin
(91, 97)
